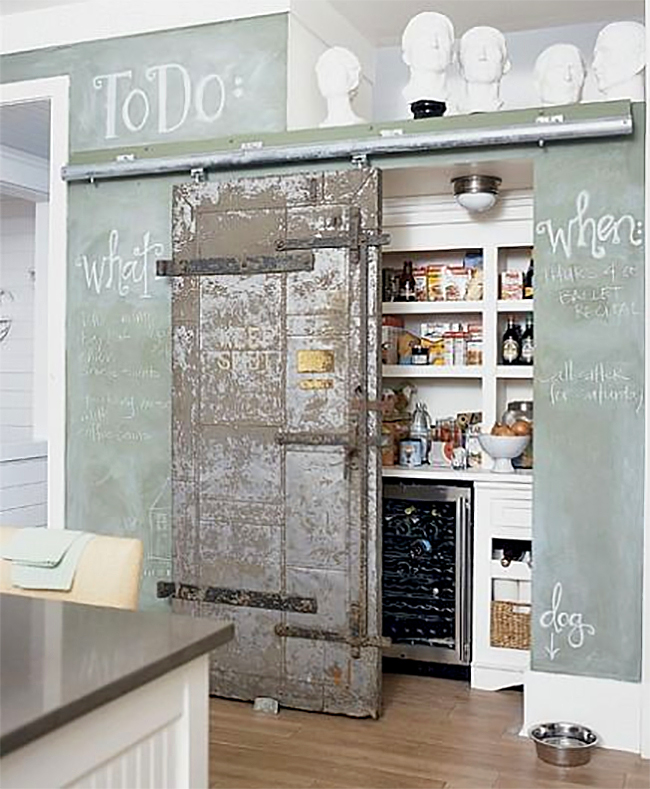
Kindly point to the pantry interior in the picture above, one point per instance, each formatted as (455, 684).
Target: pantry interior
(457, 548)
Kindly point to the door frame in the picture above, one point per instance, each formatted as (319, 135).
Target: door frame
(56, 90)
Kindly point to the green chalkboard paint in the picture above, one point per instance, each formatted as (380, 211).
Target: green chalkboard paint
(589, 408)
(187, 84)
(118, 372)
(118, 314)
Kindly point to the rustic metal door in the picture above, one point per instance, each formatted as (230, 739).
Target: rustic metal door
(275, 459)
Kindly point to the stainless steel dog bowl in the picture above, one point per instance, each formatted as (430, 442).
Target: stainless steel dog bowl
(563, 744)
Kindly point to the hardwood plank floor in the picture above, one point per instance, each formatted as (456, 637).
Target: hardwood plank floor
(434, 734)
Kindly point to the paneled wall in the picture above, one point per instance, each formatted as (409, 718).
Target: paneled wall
(23, 462)
(17, 231)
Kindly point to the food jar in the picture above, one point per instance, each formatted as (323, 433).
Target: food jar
(410, 452)
(419, 355)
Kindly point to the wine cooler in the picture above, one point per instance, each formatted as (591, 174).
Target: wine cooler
(426, 595)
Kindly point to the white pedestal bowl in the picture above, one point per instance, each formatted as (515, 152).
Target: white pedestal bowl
(502, 449)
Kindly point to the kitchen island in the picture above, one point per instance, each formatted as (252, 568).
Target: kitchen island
(100, 696)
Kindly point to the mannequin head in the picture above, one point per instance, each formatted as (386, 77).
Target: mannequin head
(337, 72)
(483, 56)
(560, 75)
(427, 42)
(619, 57)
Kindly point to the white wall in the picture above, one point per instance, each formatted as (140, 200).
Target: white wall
(517, 88)
(313, 28)
(17, 233)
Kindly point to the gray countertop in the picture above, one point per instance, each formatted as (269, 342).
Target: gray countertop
(59, 661)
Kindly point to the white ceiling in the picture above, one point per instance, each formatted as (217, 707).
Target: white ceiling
(26, 127)
(18, 6)
(382, 21)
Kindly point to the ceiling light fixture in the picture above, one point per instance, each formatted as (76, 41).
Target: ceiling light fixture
(476, 193)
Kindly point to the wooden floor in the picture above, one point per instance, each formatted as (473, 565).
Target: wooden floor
(434, 733)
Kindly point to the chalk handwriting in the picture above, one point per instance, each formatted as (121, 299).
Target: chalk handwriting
(592, 233)
(132, 105)
(559, 622)
(615, 271)
(599, 384)
(119, 274)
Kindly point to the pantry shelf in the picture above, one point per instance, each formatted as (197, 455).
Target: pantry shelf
(516, 371)
(431, 307)
(431, 371)
(515, 305)
(516, 571)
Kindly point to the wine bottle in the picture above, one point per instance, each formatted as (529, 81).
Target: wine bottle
(528, 280)
(528, 342)
(511, 344)
(407, 282)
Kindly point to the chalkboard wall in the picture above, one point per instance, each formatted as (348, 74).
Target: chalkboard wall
(589, 407)
(197, 83)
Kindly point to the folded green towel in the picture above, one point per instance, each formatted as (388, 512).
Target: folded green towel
(39, 547)
(45, 558)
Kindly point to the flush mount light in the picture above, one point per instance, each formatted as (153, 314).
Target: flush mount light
(476, 193)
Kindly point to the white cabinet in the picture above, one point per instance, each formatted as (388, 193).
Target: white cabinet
(502, 515)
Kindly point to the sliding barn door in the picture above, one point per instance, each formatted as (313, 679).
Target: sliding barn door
(275, 458)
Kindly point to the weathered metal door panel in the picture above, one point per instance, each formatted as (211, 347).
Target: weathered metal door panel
(275, 457)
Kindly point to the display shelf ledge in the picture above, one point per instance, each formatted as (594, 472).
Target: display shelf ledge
(451, 475)
(515, 571)
(515, 305)
(431, 307)
(516, 371)
(431, 371)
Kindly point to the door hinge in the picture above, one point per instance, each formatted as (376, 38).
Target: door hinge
(261, 264)
(356, 642)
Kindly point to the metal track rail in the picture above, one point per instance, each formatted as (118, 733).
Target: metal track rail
(545, 128)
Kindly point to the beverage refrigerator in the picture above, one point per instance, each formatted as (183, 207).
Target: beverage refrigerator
(426, 585)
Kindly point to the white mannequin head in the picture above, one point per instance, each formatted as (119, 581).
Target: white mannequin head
(560, 75)
(427, 42)
(619, 60)
(427, 49)
(483, 55)
(338, 72)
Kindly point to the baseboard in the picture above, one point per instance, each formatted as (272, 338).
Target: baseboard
(495, 678)
(611, 708)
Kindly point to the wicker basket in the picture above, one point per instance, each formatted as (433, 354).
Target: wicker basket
(510, 625)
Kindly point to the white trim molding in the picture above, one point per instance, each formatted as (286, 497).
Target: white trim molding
(101, 19)
(56, 90)
(23, 175)
(611, 708)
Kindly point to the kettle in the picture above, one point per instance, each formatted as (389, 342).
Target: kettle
(421, 428)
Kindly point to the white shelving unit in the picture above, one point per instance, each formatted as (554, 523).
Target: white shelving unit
(434, 229)
(501, 512)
